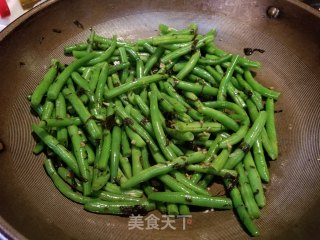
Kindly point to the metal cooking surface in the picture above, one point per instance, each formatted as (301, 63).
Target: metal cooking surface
(31, 204)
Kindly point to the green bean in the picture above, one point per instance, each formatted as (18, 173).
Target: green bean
(270, 125)
(62, 122)
(102, 161)
(260, 160)
(136, 161)
(113, 188)
(219, 60)
(235, 137)
(172, 208)
(184, 209)
(47, 110)
(121, 178)
(135, 138)
(188, 199)
(83, 113)
(149, 173)
(184, 50)
(145, 158)
(124, 59)
(81, 82)
(56, 87)
(161, 169)
(209, 170)
(220, 160)
(206, 181)
(198, 71)
(170, 39)
(45, 83)
(139, 69)
(237, 69)
(195, 88)
(78, 47)
(38, 148)
(135, 126)
(241, 209)
(61, 112)
(183, 136)
(219, 69)
(255, 180)
(132, 53)
(101, 83)
(150, 49)
(174, 185)
(79, 152)
(99, 179)
(133, 85)
(125, 145)
(57, 148)
(152, 60)
(183, 180)
(125, 166)
(68, 177)
(62, 186)
(90, 153)
(246, 193)
(198, 127)
(249, 139)
(115, 68)
(94, 78)
(142, 105)
(255, 131)
(115, 197)
(119, 208)
(259, 88)
(220, 117)
(177, 151)
(193, 78)
(136, 115)
(236, 95)
(264, 136)
(178, 107)
(115, 152)
(189, 66)
(106, 55)
(222, 93)
(157, 127)
(255, 96)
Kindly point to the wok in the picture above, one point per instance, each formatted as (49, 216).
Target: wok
(32, 208)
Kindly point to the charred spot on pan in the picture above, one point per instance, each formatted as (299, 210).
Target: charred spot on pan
(41, 40)
(278, 111)
(128, 121)
(56, 30)
(250, 51)
(2, 147)
(245, 147)
(78, 24)
(135, 210)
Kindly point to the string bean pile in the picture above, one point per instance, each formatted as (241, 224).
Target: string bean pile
(129, 127)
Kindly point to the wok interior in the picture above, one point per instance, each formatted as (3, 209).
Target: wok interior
(32, 206)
